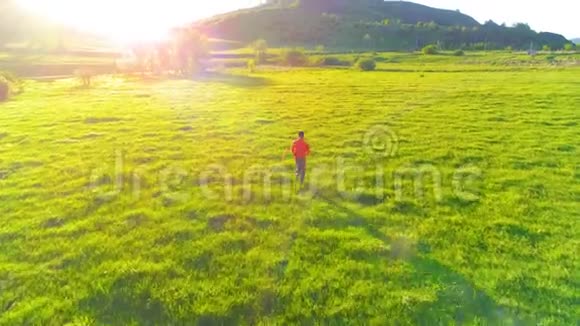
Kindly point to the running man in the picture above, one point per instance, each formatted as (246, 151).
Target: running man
(301, 150)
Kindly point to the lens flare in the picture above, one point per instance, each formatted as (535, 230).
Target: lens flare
(127, 20)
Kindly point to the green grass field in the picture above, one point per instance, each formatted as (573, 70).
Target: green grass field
(144, 202)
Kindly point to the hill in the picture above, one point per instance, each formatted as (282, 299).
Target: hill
(406, 12)
(369, 24)
(576, 40)
(14, 23)
(20, 26)
(25, 29)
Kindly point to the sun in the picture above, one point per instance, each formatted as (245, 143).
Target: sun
(126, 20)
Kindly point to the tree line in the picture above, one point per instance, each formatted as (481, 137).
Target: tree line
(185, 53)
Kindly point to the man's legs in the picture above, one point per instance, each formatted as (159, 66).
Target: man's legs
(300, 169)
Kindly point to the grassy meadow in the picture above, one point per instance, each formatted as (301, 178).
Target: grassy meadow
(438, 193)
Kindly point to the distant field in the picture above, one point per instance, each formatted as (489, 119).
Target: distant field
(434, 198)
(33, 65)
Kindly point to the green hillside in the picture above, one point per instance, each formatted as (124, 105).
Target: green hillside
(370, 25)
(407, 12)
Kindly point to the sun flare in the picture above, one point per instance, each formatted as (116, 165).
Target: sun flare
(126, 20)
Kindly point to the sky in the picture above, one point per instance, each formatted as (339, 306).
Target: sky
(148, 19)
(558, 16)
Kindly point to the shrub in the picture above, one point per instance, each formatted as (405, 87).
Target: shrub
(9, 85)
(546, 48)
(569, 47)
(367, 65)
(459, 53)
(4, 89)
(430, 50)
(85, 76)
(251, 65)
(10, 77)
(261, 50)
(294, 58)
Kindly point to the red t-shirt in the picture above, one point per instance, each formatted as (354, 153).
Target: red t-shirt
(300, 148)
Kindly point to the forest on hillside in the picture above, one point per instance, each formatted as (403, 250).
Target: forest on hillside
(372, 25)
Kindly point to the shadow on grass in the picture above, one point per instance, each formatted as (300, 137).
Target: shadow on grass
(208, 76)
(122, 303)
(129, 301)
(460, 301)
(233, 80)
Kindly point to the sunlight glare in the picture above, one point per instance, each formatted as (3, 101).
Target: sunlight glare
(126, 20)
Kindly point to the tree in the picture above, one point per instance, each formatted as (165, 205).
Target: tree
(367, 65)
(294, 57)
(522, 27)
(181, 50)
(191, 49)
(569, 47)
(4, 89)
(163, 56)
(85, 76)
(143, 54)
(367, 39)
(430, 50)
(251, 66)
(490, 23)
(546, 48)
(260, 50)
(432, 26)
